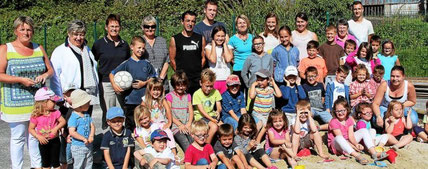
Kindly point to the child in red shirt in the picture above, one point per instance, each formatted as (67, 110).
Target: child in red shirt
(199, 153)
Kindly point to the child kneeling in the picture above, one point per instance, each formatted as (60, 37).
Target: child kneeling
(158, 155)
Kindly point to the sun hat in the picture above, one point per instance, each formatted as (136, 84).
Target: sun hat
(114, 112)
(79, 98)
(158, 135)
(45, 93)
(233, 80)
(291, 70)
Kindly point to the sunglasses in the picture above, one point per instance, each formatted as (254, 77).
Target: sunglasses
(149, 26)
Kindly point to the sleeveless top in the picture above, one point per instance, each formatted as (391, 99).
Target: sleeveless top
(188, 55)
(398, 128)
(17, 100)
(280, 135)
(157, 112)
(387, 99)
(300, 42)
(179, 109)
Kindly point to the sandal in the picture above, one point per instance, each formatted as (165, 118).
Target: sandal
(361, 160)
(382, 156)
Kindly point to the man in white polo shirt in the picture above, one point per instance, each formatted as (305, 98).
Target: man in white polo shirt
(360, 27)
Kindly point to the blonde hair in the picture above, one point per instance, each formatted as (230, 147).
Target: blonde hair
(199, 125)
(139, 112)
(154, 84)
(391, 108)
(39, 108)
(303, 104)
(21, 20)
(245, 18)
(207, 75)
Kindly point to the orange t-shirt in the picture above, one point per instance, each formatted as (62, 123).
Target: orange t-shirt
(317, 62)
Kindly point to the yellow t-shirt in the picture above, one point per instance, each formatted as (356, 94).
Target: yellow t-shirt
(208, 102)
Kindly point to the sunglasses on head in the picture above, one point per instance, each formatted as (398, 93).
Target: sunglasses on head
(149, 26)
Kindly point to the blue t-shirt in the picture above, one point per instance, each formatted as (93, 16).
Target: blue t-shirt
(82, 125)
(230, 102)
(241, 50)
(117, 145)
(202, 29)
(387, 62)
(140, 70)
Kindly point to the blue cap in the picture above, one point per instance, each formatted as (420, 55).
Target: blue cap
(158, 134)
(114, 112)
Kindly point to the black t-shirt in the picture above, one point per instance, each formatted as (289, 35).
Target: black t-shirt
(227, 151)
(315, 95)
(109, 56)
(188, 55)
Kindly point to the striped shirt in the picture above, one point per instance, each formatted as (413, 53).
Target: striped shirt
(264, 100)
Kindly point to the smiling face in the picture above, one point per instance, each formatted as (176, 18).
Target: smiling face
(113, 28)
(358, 10)
(363, 53)
(189, 22)
(341, 112)
(262, 82)
(180, 89)
(234, 89)
(271, 23)
(387, 49)
(247, 130)
(24, 33)
(258, 45)
(226, 141)
(303, 114)
(331, 34)
(144, 121)
(312, 53)
(116, 124)
(159, 145)
(366, 114)
(397, 78)
(284, 37)
(361, 75)
(138, 49)
(311, 77)
(241, 25)
(278, 122)
(301, 24)
(77, 38)
(210, 12)
(200, 137)
(206, 87)
(155, 92)
(349, 48)
(219, 38)
(342, 30)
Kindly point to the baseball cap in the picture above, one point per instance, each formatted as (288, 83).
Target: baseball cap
(158, 135)
(263, 73)
(79, 98)
(291, 70)
(114, 112)
(45, 93)
(232, 80)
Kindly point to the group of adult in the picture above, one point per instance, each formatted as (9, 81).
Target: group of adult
(25, 66)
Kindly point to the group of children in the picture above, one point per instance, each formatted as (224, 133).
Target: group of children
(234, 122)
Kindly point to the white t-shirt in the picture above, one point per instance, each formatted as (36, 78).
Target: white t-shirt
(167, 153)
(348, 79)
(221, 68)
(361, 31)
(304, 129)
(270, 43)
(339, 90)
(145, 134)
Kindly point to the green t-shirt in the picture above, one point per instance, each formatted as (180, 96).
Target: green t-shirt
(208, 101)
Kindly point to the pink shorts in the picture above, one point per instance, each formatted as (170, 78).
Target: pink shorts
(220, 85)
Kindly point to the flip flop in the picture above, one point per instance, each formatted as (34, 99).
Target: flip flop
(379, 164)
(383, 156)
(327, 160)
(360, 159)
(343, 157)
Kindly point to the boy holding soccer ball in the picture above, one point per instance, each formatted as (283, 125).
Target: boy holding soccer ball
(142, 72)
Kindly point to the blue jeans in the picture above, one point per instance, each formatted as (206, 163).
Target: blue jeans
(230, 120)
(325, 116)
(414, 115)
(82, 156)
(204, 161)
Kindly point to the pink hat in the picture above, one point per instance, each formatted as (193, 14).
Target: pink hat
(44, 94)
(233, 80)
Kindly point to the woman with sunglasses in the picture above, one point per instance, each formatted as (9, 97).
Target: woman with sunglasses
(156, 49)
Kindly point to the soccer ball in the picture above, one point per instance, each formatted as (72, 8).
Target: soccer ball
(123, 79)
